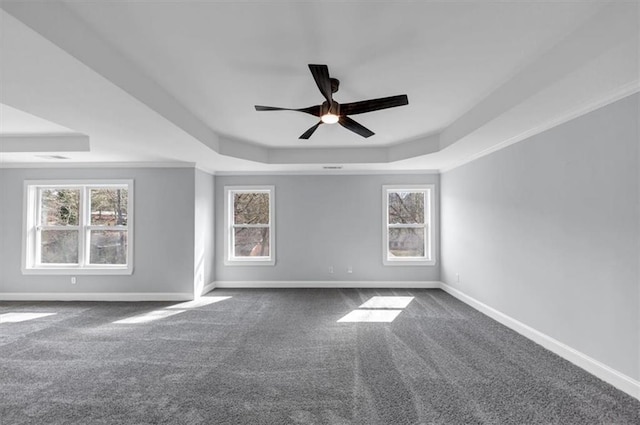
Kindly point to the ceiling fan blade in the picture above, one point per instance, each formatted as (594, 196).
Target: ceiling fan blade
(272, 108)
(313, 110)
(350, 124)
(321, 75)
(373, 104)
(309, 132)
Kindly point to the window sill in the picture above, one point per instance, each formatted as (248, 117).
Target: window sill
(388, 262)
(235, 262)
(78, 271)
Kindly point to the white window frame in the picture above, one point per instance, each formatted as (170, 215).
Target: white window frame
(31, 247)
(229, 256)
(429, 258)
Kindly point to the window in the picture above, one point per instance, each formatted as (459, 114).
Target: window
(408, 225)
(249, 225)
(78, 227)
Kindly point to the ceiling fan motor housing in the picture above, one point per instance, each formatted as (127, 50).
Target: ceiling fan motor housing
(335, 84)
(334, 109)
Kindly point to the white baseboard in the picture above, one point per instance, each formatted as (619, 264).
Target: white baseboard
(326, 284)
(208, 288)
(600, 370)
(96, 296)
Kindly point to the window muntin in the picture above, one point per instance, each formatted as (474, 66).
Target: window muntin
(249, 225)
(78, 227)
(408, 228)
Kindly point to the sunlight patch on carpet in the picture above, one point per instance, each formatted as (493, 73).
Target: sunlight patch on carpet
(200, 302)
(149, 317)
(387, 302)
(371, 316)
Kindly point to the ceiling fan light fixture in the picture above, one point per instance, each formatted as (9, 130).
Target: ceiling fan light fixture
(331, 112)
(329, 118)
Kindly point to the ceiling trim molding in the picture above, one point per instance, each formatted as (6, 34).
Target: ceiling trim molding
(323, 173)
(82, 165)
(51, 143)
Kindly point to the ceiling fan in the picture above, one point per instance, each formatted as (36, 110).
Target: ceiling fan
(331, 112)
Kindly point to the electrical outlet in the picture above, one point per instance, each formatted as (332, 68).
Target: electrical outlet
(331, 269)
(457, 277)
(349, 269)
(73, 280)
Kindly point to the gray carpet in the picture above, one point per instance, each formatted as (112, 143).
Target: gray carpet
(281, 357)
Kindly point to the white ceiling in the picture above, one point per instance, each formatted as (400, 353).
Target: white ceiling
(174, 82)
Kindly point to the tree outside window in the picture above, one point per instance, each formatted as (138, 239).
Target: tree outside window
(408, 237)
(79, 226)
(249, 234)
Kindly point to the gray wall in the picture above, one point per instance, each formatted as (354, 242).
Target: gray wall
(324, 221)
(547, 232)
(204, 234)
(163, 228)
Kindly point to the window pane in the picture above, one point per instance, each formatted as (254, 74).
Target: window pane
(60, 207)
(406, 207)
(109, 207)
(108, 247)
(251, 208)
(251, 242)
(406, 242)
(59, 246)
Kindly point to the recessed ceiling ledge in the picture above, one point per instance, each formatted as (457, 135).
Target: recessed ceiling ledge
(347, 155)
(605, 31)
(328, 155)
(242, 150)
(411, 149)
(59, 25)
